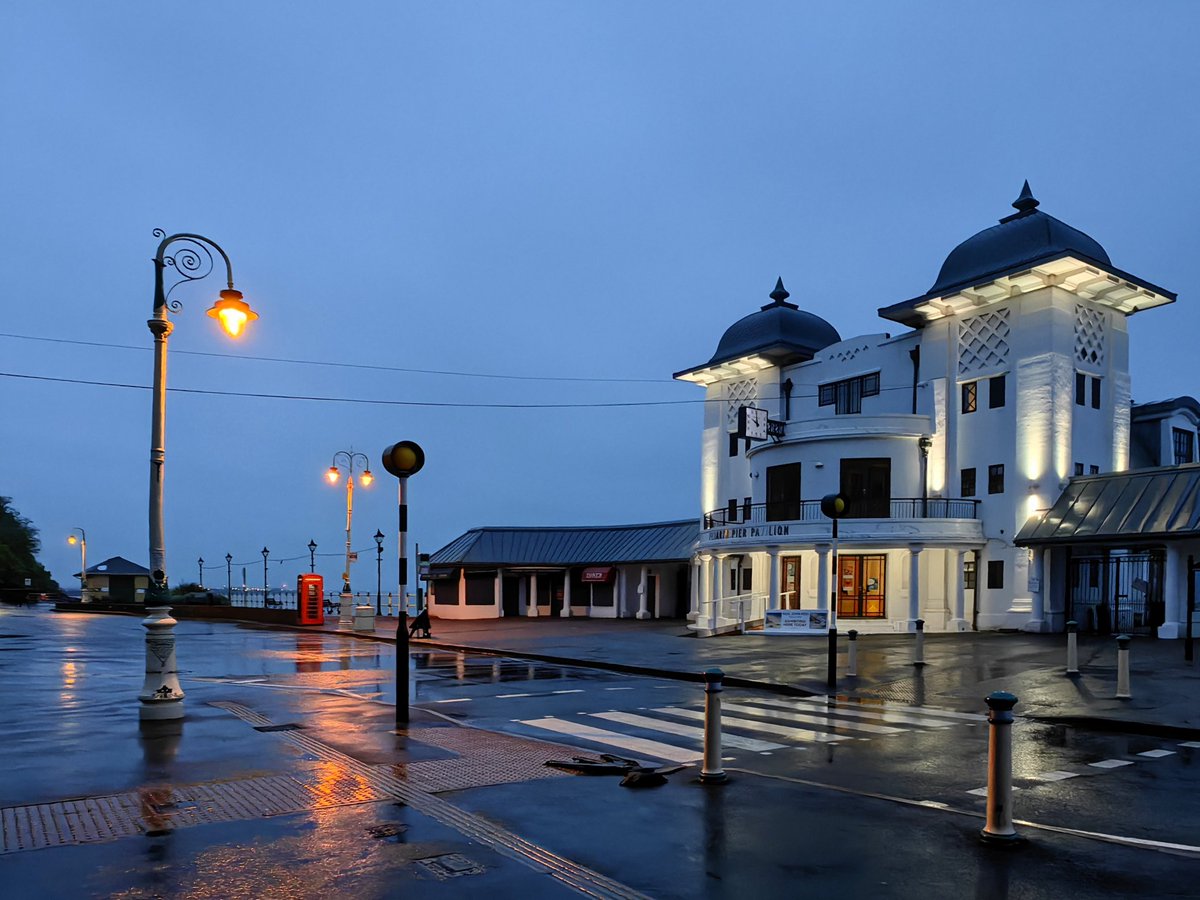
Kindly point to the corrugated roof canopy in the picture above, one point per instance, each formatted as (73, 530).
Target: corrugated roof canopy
(578, 546)
(1148, 505)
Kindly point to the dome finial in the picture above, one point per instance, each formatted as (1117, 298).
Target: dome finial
(780, 293)
(1026, 202)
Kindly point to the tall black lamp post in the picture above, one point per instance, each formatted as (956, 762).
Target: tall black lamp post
(229, 577)
(312, 556)
(200, 567)
(265, 553)
(402, 460)
(378, 571)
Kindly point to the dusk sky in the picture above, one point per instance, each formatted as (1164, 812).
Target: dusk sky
(485, 226)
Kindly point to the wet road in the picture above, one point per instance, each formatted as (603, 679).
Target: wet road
(69, 712)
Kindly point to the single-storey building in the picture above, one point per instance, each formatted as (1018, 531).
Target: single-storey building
(117, 580)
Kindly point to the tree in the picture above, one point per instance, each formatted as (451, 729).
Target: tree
(19, 546)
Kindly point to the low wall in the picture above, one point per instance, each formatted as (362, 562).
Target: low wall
(191, 611)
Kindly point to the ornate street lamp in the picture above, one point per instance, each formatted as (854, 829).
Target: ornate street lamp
(200, 566)
(82, 542)
(161, 696)
(378, 571)
(312, 556)
(229, 578)
(345, 604)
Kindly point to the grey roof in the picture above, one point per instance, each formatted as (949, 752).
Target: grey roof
(1161, 408)
(780, 331)
(117, 565)
(572, 546)
(1142, 506)
(1021, 241)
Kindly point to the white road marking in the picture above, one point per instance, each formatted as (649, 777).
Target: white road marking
(455, 700)
(1056, 776)
(885, 714)
(1157, 754)
(1192, 744)
(793, 734)
(1111, 763)
(727, 740)
(922, 710)
(613, 739)
(573, 691)
(982, 792)
(806, 719)
(619, 689)
(508, 696)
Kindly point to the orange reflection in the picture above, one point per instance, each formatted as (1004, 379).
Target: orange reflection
(337, 784)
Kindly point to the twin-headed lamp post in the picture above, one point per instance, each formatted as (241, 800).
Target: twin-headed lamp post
(346, 601)
(162, 697)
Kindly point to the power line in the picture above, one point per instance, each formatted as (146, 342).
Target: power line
(342, 365)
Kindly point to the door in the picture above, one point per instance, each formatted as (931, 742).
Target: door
(861, 582)
(510, 596)
(783, 492)
(789, 583)
(867, 487)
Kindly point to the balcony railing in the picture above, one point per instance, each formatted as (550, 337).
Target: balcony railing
(810, 511)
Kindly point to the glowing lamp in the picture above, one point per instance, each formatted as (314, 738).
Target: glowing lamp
(72, 540)
(232, 312)
(366, 478)
(333, 474)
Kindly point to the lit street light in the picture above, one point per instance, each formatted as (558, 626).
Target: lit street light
(265, 553)
(312, 556)
(345, 602)
(82, 542)
(200, 566)
(162, 697)
(229, 578)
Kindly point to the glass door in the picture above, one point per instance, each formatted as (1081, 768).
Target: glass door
(861, 582)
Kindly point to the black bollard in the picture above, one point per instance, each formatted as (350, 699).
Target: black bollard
(831, 669)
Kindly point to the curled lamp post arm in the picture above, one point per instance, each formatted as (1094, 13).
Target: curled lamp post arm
(189, 265)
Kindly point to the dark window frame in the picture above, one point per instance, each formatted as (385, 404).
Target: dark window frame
(969, 580)
(970, 397)
(995, 574)
(996, 390)
(1095, 392)
(1183, 443)
(1093, 470)
(1080, 389)
(967, 482)
(847, 395)
(996, 479)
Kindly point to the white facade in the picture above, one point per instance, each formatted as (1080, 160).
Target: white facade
(945, 439)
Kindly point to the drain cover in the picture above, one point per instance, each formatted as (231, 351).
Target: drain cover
(450, 865)
(388, 832)
(288, 726)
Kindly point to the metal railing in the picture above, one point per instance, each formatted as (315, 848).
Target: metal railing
(810, 511)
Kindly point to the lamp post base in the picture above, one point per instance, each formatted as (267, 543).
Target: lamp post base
(346, 610)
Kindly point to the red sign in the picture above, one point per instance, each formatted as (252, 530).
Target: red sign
(598, 575)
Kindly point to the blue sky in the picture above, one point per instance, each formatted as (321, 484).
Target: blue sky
(588, 190)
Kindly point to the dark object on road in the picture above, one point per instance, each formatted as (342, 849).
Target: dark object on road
(635, 774)
(420, 622)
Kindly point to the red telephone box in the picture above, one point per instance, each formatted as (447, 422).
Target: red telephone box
(310, 604)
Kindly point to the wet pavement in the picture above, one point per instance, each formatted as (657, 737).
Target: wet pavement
(288, 778)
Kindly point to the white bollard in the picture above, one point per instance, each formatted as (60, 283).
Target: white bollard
(161, 696)
(852, 654)
(919, 644)
(713, 772)
(345, 610)
(999, 828)
(1123, 692)
(1072, 648)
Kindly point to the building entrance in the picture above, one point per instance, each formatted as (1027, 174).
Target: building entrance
(861, 581)
(789, 588)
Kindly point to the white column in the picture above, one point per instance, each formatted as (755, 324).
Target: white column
(718, 583)
(955, 589)
(566, 607)
(823, 589)
(773, 584)
(531, 608)
(1037, 592)
(914, 585)
(697, 575)
(498, 593)
(1174, 594)
(643, 612)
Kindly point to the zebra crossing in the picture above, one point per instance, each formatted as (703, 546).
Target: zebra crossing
(758, 725)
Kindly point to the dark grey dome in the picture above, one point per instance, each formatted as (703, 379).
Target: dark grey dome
(780, 331)
(1029, 236)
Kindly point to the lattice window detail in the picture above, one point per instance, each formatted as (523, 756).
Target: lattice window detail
(1089, 335)
(983, 342)
(739, 394)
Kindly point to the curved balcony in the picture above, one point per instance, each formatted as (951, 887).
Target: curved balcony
(868, 521)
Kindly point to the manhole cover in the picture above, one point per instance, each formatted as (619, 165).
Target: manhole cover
(389, 832)
(450, 865)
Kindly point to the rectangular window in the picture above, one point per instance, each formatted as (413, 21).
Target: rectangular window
(1095, 393)
(968, 482)
(747, 579)
(783, 492)
(1080, 389)
(733, 444)
(1078, 468)
(1093, 470)
(1184, 445)
(969, 574)
(995, 572)
(996, 392)
(996, 479)
(969, 396)
(847, 395)
(731, 512)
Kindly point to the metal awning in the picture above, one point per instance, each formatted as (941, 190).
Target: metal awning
(1139, 507)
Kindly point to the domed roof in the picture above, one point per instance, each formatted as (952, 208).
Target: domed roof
(1026, 237)
(780, 331)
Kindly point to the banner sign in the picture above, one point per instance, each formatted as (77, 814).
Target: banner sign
(795, 621)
